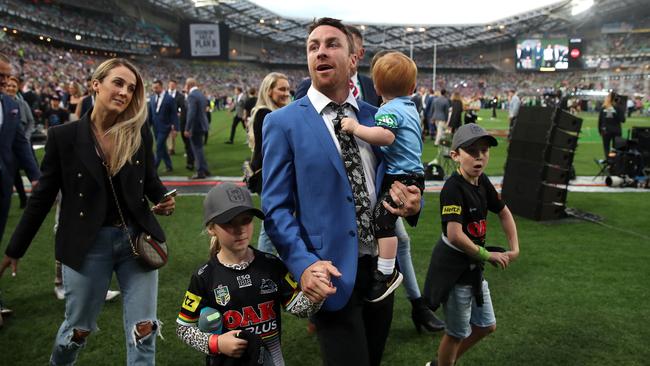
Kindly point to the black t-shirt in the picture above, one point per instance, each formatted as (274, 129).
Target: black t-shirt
(55, 117)
(467, 204)
(249, 299)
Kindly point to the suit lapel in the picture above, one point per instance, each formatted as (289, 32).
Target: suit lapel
(5, 115)
(10, 118)
(85, 150)
(317, 126)
(153, 104)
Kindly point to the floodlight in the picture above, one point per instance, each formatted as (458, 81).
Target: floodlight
(580, 6)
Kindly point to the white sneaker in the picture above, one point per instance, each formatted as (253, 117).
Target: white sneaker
(59, 292)
(110, 295)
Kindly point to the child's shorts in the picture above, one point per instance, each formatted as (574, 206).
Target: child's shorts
(461, 311)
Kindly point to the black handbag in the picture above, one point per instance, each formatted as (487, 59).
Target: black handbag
(151, 253)
(253, 179)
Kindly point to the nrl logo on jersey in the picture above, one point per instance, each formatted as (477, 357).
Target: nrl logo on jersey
(222, 295)
(268, 287)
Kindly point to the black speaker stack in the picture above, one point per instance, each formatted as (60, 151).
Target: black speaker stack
(641, 135)
(538, 166)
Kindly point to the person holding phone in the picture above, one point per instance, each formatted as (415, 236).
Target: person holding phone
(108, 147)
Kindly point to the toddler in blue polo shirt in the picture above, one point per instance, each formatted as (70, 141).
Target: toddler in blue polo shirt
(397, 130)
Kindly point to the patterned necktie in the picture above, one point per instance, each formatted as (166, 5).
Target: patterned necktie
(354, 169)
(353, 89)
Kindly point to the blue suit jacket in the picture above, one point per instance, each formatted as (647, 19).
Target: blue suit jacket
(367, 90)
(310, 213)
(197, 119)
(15, 150)
(167, 115)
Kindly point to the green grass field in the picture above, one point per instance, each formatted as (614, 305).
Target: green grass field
(578, 295)
(226, 160)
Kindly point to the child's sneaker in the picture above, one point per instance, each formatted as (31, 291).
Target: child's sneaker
(383, 285)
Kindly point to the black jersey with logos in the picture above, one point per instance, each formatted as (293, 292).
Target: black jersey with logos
(248, 299)
(468, 204)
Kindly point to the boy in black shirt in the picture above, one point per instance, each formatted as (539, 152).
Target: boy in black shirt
(56, 115)
(455, 277)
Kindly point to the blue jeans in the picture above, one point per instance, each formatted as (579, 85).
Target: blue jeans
(461, 311)
(85, 291)
(161, 150)
(264, 242)
(404, 260)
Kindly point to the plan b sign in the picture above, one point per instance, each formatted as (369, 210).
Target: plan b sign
(205, 40)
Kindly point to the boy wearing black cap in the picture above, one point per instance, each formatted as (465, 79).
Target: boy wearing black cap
(245, 286)
(455, 277)
(55, 115)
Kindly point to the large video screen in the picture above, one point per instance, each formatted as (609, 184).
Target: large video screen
(542, 54)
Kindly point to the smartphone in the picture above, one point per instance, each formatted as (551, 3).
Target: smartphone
(171, 193)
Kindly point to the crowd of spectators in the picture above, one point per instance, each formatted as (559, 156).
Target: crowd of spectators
(289, 55)
(49, 70)
(119, 33)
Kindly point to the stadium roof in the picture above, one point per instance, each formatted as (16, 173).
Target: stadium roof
(247, 18)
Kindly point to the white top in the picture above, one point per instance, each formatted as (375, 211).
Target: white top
(368, 158)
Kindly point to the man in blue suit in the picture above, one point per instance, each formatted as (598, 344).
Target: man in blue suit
(360, 85)
(311, 211)
(197, 126)
(15, 150)
(163, 117)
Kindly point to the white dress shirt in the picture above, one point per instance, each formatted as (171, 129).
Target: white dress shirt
(368, 158)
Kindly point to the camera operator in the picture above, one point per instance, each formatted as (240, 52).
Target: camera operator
(609, 121)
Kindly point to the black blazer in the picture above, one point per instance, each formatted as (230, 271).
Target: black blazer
(182, 109)
(71, 165)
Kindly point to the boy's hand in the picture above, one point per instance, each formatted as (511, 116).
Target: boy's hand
(501, 260)
(230, 345)
(349, 125)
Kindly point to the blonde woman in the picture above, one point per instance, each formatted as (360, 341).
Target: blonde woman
(108, 146)
(274, 94)
(74, 103)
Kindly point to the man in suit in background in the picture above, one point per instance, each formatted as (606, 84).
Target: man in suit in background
(197, 126)
(179, 97)
(15, 150)
(239, 109)
(163, 116)
(361, 86)
(423, 100)
(318, 187)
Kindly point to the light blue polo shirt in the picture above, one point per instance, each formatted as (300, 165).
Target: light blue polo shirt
(403, 156)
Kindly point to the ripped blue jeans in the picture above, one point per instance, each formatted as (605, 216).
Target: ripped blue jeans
(85, 292)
